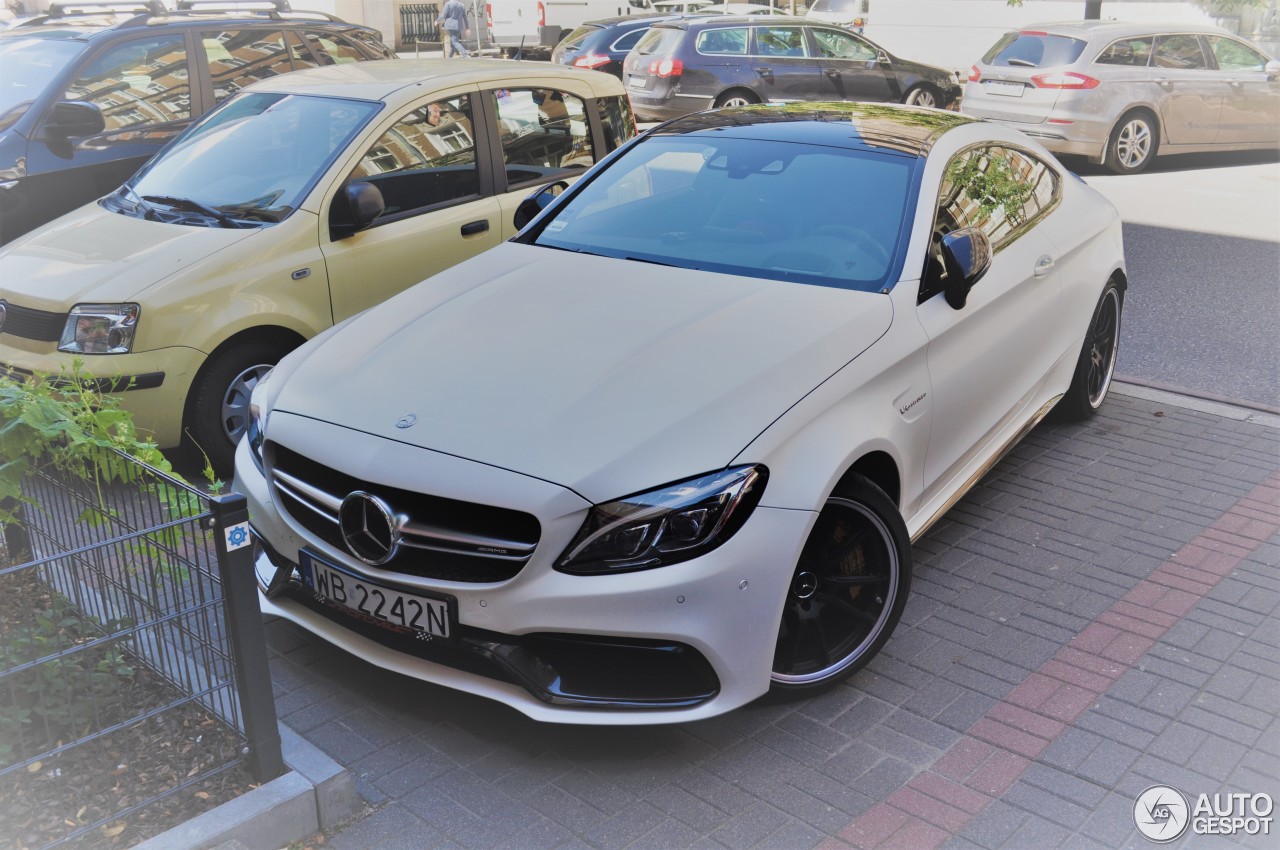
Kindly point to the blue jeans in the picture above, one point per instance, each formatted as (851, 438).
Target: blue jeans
(455, 41)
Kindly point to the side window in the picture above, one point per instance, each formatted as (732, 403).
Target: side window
(331, 48)
(1234, 56)
(238, 58)
(543, 132)
(838, 45)
(618, 120)
(730, 42)
(779, 41)
(1135, 52)
(1179, 52)
(139, 83)
(427, 158)
(995, 189)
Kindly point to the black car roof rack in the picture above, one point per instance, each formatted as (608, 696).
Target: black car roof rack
(143, 11)
(275, 9)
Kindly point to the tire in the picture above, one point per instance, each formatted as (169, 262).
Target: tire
(1133, 143)
(734, 98)
(923, 95)
(1097, 362)
(847, 593)
(218, 411)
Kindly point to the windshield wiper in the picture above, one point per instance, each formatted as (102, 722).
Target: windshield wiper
(1022, 63)
(658, 263)
(194, 206)
(148, 212)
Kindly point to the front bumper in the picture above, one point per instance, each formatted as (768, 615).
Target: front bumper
(153, 385)
(672, 644)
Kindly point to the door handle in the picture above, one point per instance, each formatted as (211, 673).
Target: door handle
(1164, 82)
(765, 72)
(475, 227)
(832, 73)
(1043, 266)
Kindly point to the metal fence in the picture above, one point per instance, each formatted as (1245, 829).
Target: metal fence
(419, 23)
(131, 647)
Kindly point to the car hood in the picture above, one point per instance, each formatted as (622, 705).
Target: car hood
(92, 254)
(604, 376)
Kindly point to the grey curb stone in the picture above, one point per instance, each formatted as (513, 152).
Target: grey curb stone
(316, 793)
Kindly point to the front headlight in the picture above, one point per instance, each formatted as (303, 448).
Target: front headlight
(665, 526)
(256, 433)
(100, 329)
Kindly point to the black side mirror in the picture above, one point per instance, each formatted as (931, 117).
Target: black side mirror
(366, 204)
(73, 119)
(966, 255)
(537, 202)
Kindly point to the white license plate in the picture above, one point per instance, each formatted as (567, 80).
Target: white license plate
(1004, 89)
(377, 603)
(637, 82)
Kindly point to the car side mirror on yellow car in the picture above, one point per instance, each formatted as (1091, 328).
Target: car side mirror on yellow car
(364, 203)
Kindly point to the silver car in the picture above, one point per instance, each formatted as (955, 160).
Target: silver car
(1121, 93)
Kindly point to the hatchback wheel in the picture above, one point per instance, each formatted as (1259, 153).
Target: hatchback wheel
(1097, 362)
(847, 592)
(1133, 143)
(218, 414)
(922, 96)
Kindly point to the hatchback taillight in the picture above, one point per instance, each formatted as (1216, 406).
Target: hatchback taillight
(974, 74)
(1064, 80)
(666, 68)
(590, 60)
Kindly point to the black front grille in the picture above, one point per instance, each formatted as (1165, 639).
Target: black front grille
(451, 514)
(32, 324)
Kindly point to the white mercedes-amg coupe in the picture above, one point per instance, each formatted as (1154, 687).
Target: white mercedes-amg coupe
(666, 450)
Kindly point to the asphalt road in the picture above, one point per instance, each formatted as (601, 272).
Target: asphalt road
(1202, 241)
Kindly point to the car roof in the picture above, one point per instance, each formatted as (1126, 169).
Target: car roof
(1119, 29)
(637, 20)
(393, 80)
(909, 130)
(693, 19)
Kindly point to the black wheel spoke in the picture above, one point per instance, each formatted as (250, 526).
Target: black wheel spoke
(849, 607)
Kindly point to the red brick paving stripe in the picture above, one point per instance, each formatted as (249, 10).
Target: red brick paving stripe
(998, 748)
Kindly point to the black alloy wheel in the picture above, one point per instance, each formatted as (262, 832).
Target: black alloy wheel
(847, 592)
(1097, 363)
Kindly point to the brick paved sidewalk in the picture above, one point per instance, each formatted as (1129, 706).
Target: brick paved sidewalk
(1102, 614)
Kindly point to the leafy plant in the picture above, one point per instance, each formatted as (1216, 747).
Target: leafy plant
(991, 182)
(67, 421)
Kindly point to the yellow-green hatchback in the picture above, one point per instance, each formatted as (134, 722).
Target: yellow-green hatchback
(300, 202)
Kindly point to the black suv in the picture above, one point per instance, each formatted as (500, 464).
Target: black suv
(88, 96)
(686, 65)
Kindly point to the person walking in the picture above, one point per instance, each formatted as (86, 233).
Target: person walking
(453, 21)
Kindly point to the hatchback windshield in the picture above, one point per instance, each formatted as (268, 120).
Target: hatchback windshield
(1034, 50)
(252, 160)
(758, 208)
(27, 65)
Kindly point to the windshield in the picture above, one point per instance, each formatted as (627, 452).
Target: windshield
(256, 157)
(1034, 50)
(779, 210)
(849, 6)
(28, 65)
